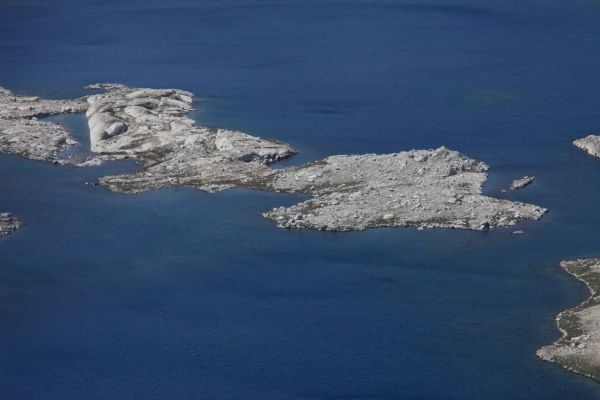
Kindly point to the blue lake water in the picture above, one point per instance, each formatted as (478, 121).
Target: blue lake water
(179, 294)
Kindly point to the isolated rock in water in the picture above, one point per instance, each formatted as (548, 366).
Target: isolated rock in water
(579, 348)
(521, 183)
(22, 134)
(590, 144)
(8, 224)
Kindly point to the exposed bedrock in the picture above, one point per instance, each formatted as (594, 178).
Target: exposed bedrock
(8, 224)
(578, 349)
(589, 144)
(22, 134)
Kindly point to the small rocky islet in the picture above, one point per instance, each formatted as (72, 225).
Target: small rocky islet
(418, 188)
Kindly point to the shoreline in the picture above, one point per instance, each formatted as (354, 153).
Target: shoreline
(578, 350)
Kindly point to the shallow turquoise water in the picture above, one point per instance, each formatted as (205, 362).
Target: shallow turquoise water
(181, 294)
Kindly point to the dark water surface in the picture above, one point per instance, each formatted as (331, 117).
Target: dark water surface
(178, 294)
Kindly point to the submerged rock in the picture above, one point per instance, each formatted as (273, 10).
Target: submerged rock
(8, 224)
(589, 144)
(578, 349)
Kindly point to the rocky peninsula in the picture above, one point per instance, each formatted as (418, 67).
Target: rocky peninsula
(8, 224)
(589, 144)
(22, 133)
(419, 188)
(579, 348)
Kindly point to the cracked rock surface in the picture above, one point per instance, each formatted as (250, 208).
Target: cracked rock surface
(589, 144)
(579, 348)
(421, 188)
(8, 224)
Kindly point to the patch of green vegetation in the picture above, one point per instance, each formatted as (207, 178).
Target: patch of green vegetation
(569, 323)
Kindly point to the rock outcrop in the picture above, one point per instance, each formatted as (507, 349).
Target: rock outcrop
(8, 224)
(589, 144)
(21, 132)
(579, 348)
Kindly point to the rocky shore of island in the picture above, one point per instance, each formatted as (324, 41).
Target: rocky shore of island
(578, 349)
(417, 188)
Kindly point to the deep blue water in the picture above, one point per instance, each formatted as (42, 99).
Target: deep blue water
(179, 294)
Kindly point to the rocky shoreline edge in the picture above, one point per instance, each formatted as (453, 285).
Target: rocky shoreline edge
(578, 349)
